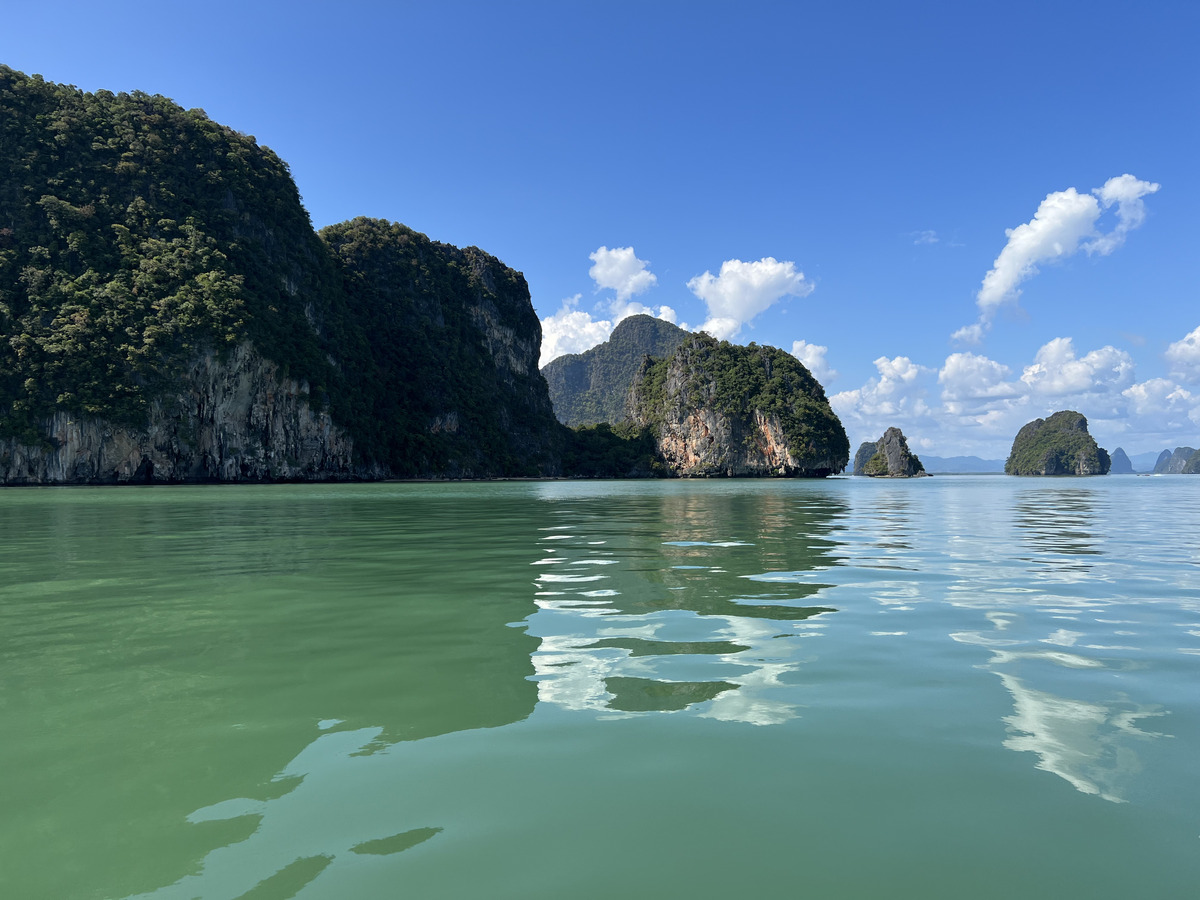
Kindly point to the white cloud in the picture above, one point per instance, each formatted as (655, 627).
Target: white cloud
(1127, 192)
(1184, 357)
(571, 330)
(813, 357)
(897, 391)
(970, 381)
(1056, 370)
(1062, 226)
(742, 290)
(924, 237)
(1158, 396)
(620, 270)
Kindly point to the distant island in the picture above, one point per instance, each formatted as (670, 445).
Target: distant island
(171, 316)
(1121, 464)
(1058, 445)
(888, 457)
(961, 465)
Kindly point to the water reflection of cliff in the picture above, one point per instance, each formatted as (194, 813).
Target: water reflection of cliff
(704, 603)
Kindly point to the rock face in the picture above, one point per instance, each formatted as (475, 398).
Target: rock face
(1059, 445)
(1192, 466)
(167, 313)
(889, 457)
(1174, 463)
(232, 419)
(1120, 463)
(720, 410)
(865, 451)
(593, 386)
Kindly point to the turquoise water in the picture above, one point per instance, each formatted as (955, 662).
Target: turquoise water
(952, 687)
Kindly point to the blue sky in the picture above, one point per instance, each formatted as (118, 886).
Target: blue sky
(834, 179)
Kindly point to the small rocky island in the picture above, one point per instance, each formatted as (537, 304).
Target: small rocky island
(718, 409)
(888, 457)
(1059, 445)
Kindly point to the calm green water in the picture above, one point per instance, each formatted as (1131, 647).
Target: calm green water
(970, 687)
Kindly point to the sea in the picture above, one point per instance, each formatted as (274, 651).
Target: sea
(948, 687)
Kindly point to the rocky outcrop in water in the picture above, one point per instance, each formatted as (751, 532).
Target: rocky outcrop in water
(1058, 445)
(1174, 463)
(717, 409)
(1121, 464)
(889, 457)
(1192, 466)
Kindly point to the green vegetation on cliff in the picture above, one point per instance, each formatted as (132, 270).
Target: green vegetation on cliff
(132, 231)
(134, 234)
(592, 386)
(1192, 466)
(1059, 445)
(612, 451)
(438, 350)
(740, 383)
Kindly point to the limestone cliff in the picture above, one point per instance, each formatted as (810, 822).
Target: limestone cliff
(865, 451)
(230, 419)
(592, 386)
(890, 458)
(721, 410)
(167, 311)
(1059, 445)
(1174, 463)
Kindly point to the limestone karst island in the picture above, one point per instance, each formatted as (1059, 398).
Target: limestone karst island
(1059, 445)
(170, 315)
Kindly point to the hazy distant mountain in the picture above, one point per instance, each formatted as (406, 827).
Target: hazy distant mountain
(961, 465)
(1120, 463)
(1173, 463)
(591, 387)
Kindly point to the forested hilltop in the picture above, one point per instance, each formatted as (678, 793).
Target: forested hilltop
(150, 256)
